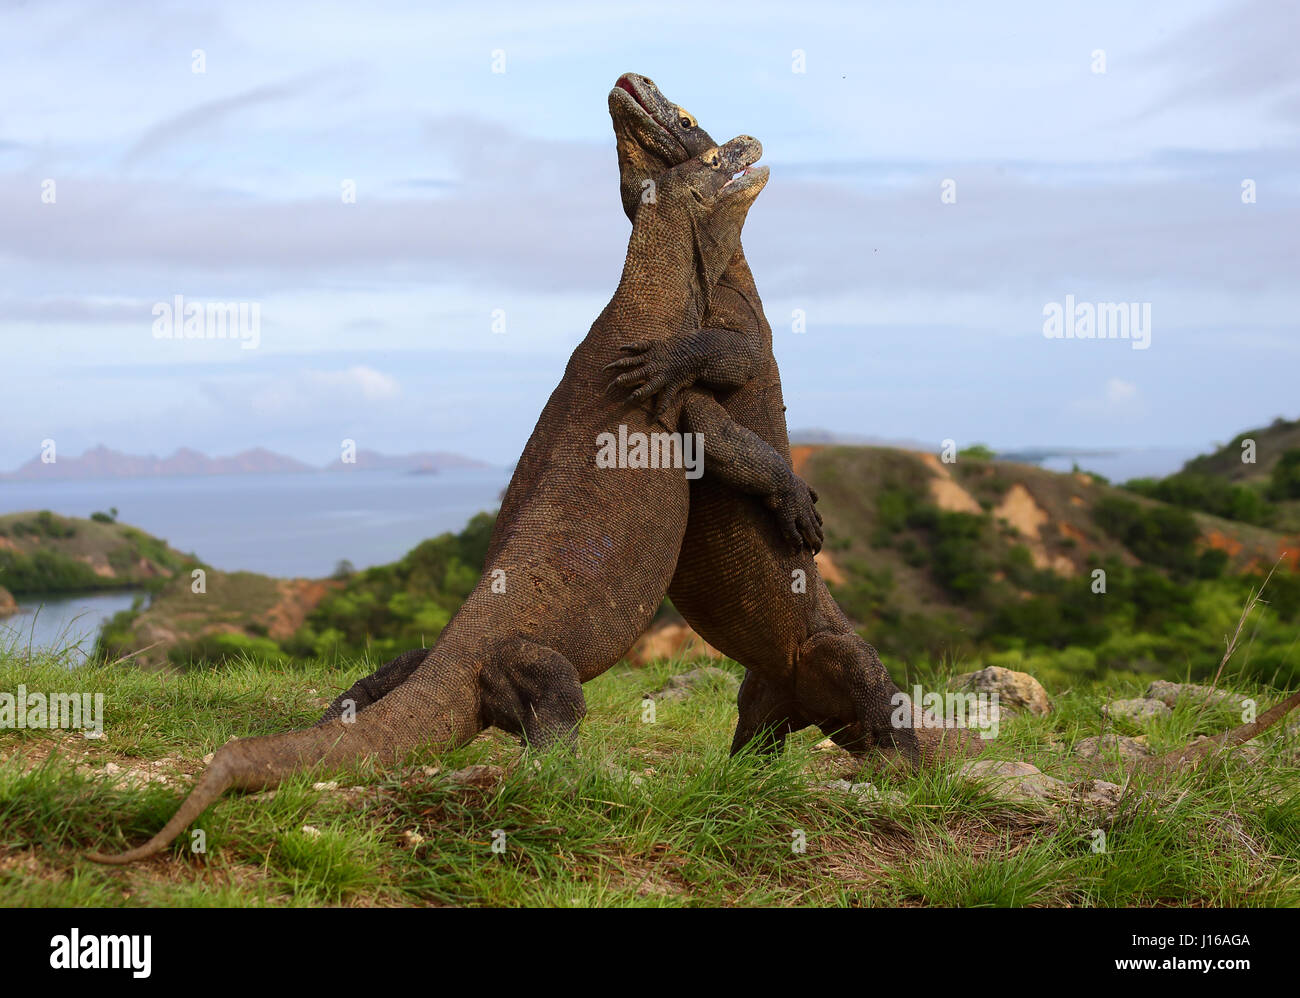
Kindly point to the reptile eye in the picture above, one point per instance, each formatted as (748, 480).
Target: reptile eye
(687, 123)
(714, 162)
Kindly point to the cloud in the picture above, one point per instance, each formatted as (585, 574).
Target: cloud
(1119, 391)
(181, 127)
(305, 397)
(1244, 52)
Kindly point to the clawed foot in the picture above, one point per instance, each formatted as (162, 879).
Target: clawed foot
(651, 368)
(796, 512)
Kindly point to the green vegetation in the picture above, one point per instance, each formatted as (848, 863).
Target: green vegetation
(1253, 479)
(930, 585)
(389, 609)
(643, 815)
(47, 554)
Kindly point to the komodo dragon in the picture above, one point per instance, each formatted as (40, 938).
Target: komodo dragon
(732, 582)
(585, 552)
(763, 604)
(758, 600)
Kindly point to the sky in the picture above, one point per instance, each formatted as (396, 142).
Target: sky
(941, 173)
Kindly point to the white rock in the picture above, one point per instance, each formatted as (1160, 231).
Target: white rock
(1015, 780)
(1139, 710)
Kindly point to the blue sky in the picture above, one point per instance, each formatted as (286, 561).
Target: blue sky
(479, 191)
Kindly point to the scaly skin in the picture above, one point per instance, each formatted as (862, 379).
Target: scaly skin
(735, 576)
(735, 584)
(732, 582)
(587, 552)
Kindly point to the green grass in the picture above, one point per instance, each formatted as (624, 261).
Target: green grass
(700, 829)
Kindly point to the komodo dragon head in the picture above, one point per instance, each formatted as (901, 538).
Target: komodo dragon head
(653, 135)
(708, 195)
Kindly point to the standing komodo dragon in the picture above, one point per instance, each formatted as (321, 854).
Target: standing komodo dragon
(763, 604)
(733, 583)
(585, 552)
(760, 601)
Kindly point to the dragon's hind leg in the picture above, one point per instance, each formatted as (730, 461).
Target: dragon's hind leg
(377, 685)
(842, 681)
(767, 714)
(532, 691)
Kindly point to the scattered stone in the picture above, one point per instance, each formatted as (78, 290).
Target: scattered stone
(326, 787)
(1139, 710)
(411, 838)
(621, 774)
(1112, 745)
(826, 745)
(1017, 690)
(1098, 795)
(430, 771)
(95, 736)
(1170, 693)
(1015, 780)
(681, 686)
(112, 768)
(477, 776)
(311, 831)
(867, 792)
(207, 759)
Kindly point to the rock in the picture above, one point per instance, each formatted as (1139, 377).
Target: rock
(1170, 693)
(112, 768)
(672, 640)
(8, 605)
(1015, 780)
(311, 831)
(1017, 690)
(430, 771)
(623, 775)
(1112, 745)
(326, 787)
(1097, 795)
(679, 687)
(477, 776)
(867, 792)
(411, 838)
(1138, 710)
(207, 759)
(826, 745)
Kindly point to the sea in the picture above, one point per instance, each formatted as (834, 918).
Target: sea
(288, 525)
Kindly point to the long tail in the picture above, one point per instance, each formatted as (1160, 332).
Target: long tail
(1228, 739)
(432, 708)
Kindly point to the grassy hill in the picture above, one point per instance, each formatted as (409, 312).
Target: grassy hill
(977, 560)
(1255, 478)
(41, 552)
(986, 557)
(643, 814)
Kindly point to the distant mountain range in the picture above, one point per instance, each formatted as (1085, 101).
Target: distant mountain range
(104, 462)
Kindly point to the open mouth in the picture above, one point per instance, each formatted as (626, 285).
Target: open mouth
(750, 176)
(625, 83)
(741, 175)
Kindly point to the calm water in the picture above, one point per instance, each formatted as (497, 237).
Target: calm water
(64, 621)
(294, 525)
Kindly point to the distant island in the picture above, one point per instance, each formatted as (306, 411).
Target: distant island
(104, 462)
